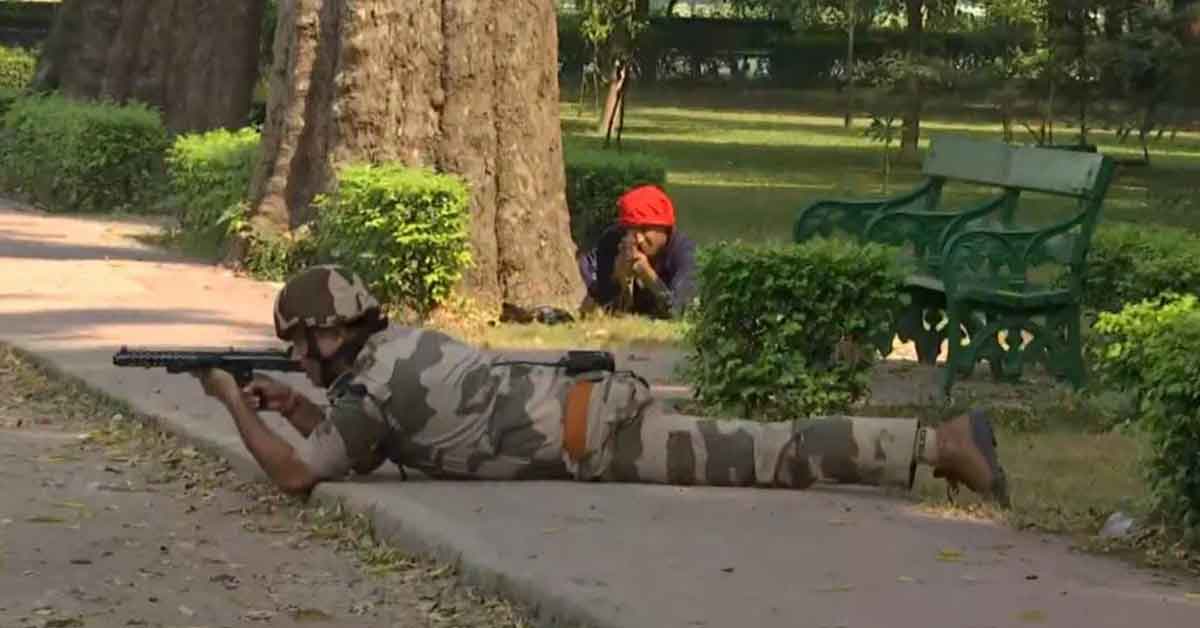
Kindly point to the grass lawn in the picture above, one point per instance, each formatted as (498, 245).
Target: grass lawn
(741, 170)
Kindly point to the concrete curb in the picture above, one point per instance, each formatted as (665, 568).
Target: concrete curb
(421, 531)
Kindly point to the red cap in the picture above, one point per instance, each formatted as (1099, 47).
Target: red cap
(645, 206)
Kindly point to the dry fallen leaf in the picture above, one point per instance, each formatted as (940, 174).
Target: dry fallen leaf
(1033, 617)
(310, 614)
(906, 579)
(258, 615)
(837, 588)
(1192, 596)
(45, 519)
(950, 555)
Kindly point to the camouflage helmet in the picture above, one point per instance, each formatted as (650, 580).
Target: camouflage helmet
(322, 296)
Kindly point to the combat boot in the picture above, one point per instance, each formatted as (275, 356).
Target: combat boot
(964, 452)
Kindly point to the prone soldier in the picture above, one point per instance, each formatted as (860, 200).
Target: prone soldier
(426, 401)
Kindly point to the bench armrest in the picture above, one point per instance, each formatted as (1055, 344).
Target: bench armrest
(1003, 257)
(926, 231)
(819, 216)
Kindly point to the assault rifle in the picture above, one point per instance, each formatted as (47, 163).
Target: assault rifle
(240, 364)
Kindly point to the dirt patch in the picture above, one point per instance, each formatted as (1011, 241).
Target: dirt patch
(105, 521)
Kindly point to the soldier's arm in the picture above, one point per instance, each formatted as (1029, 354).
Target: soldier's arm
(303, 414)
(273, 453)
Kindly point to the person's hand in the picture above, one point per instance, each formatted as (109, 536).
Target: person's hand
(640, 265)
(623, 266)
(267, 393)
(218, 384)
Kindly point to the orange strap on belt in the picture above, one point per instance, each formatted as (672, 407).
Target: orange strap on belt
(575, 420)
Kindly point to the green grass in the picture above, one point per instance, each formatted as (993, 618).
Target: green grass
(742, 172)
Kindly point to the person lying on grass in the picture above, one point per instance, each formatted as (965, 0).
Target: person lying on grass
(423, 400)
(643, 264)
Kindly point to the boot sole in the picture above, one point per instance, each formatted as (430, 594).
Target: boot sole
(985, 440)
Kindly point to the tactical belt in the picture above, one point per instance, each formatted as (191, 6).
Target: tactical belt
(575, 420)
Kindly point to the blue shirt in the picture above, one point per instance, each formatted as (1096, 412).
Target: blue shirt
(675, 266)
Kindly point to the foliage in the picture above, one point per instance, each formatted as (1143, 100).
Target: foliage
(1128, 263)
(16, 67)
(783, 331)
(611, 28)
(210, 178)
(1120, 341)
(68, 155)
(404, 230)
(1150, 348)
(8, 96)
(595, 179)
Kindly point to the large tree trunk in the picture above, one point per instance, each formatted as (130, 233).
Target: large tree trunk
(910, 135)
(464, 86)
(195, 60)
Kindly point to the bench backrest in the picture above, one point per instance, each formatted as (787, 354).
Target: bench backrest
(1067, 173)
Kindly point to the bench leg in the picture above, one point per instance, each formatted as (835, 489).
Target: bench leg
(1055, 341)
(923, 322)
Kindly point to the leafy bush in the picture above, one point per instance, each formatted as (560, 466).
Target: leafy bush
(1150, 348)
(595, 179)
(8, 96)
(210, 179)
(1130, 263)
(1119, 344)
(404, 230)
(16, 67)
(771, 330)
(68, 155)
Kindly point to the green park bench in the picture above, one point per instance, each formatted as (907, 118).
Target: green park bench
(977, 272)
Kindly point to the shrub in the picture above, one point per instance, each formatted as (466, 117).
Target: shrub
(1119, 344)
(8, 96)
(1170, 395)
(1150, 349)
(16, 67)
(404, 230)
(595, 179)
(1130, 263)
(771, 322)
(210, 179)
(68, 155)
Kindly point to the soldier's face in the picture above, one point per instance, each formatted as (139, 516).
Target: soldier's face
(328, 342)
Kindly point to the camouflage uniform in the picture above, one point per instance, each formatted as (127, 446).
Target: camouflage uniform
(426, 401)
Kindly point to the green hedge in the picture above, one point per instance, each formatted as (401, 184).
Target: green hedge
(8, 96)
(1150, 348)
(772, 323)
(210, 180)
(16, 67)
(1130, 263)
(404, 230)
(595, 179)
(67, 155)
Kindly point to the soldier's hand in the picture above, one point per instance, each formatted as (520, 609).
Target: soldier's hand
(266, 393)
(219, 384)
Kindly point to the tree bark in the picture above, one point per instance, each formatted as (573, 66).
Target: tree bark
(910, 134)
(462, 86)
(194, 60)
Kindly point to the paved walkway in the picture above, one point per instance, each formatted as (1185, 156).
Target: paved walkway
(73, 290)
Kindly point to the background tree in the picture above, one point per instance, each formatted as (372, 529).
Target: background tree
(467, 87)
(197, 61)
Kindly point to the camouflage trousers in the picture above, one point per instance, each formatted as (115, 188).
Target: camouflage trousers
(637, 440)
